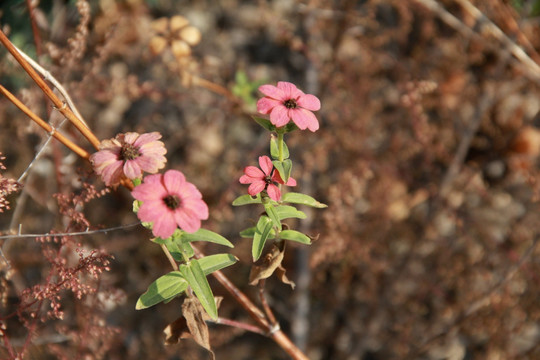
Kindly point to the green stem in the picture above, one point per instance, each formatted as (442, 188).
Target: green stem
(280, 145)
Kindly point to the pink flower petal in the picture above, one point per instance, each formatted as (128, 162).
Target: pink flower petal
(132, 169)
(189, 191)
(266, 104)
(308, 101)
(130, 137)
(173, 180)
(304, 119)
(164, 225)
(198, 206)
(279, 116)
(149, 209)
(289, 89)
(256, 187)
(291, 182)
(273, 192)
(254, 172)
(244, 179)
(266, 165)
(273, 92)
(187, 221)
(147, 138)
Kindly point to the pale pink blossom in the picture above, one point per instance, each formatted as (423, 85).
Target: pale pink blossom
(169, 201)
(264, 178)
(286, 102)
(129, 154)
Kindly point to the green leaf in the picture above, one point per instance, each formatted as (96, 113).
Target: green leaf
(175, 248)
(247, 199)
(284, 168)
(294, 235)
(274, 149)
(250, 233)
(207, 235)
(195, 277)
(136, 182)
(264, 227)
(297, 198)
(286, 212)
(272, 213)
(264, 123)
(216, 262)
(164, 288)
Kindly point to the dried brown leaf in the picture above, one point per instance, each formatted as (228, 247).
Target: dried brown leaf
(271, 262)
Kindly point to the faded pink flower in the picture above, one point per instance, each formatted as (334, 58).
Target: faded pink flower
(264, 179)
(168, 201)
(286, 102)
(129, 154)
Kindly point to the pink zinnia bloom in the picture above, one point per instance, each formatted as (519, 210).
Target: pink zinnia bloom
(168, 201)
(285, 102)
(129, 154)
(264, 179)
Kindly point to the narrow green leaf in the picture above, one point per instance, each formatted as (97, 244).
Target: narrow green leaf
(287, 168)
(247, 199)
(207, 235)
(250, 233)
(265, 123)
(272, 213)
(164, 288)
(274, 149)
(279, 167)
(297, 198)
(195, 277)
(264, 227)
(175, 248)
(294, 235)
(216, 262)
(286, 212)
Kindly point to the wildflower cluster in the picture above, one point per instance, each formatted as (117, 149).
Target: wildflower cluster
(173, 208)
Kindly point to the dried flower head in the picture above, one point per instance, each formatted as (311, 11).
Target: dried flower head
(286, 102)
(129, 154)
(265, 179)
(7, 186)
(176, 33)
(168, 201)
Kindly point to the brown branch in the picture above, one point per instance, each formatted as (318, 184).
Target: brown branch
(44, 125)
(256, 314)
(264, 303)
(240, 325)
(35, 30)
(58, 104)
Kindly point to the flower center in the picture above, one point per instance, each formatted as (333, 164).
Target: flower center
(290, 104)
(129, 152)
(173, 202)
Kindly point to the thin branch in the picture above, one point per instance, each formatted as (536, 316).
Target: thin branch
(531, 67)
(170, 257)
(44, 125)
(264, 303)
(58, 104)
(78, 233)
(241, 325)
(35, 30)
(47, 76)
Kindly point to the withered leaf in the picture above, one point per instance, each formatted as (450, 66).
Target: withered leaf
(270, 263)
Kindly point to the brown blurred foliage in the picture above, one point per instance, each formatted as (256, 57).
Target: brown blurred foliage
(427, 156)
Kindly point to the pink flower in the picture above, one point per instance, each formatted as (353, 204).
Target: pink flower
(168, 201)
(129, 154)
(286, 102)
(264, 179)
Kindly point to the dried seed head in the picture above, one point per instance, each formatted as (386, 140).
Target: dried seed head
(178, 22)
(157, 45)
(180, 49)
(191, 35)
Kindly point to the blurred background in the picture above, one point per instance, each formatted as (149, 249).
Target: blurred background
(426, 155)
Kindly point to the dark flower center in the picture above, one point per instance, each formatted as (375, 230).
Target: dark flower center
(129, 152)
(173, 202)
(290, 104)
